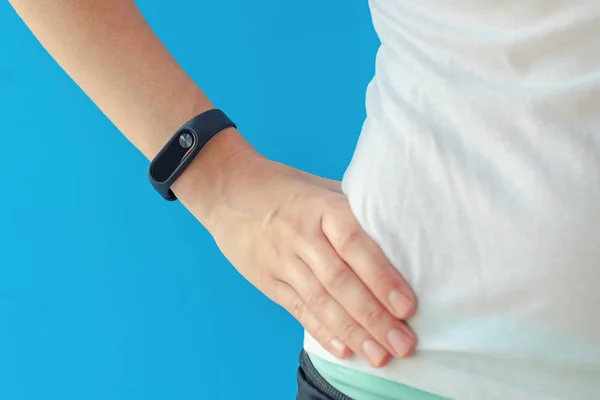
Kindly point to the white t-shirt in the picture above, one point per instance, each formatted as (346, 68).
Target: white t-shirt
(478, 173)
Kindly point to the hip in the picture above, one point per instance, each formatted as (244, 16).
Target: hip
(500, 248)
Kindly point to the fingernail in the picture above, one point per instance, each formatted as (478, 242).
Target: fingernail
(400, 341)
(338, 346)
(374, 351)
(400, 304)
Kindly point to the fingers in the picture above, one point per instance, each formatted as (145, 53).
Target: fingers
(334, 317)
(354, 296)
(289, 299)
(368, 262)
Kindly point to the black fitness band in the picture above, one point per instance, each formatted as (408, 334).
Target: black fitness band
(183, 147)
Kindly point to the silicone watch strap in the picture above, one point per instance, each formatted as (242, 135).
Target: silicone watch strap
(183, 147)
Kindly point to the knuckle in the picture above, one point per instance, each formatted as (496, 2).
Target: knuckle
(335, 203)
(283, 222)
(335, 274)
(298, 310)
(349, 332)
(294, 226)
(316, 297)
(375, 317)
(349, 239)
(321, 202)
(380, 274)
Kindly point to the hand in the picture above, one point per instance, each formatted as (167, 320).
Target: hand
(294, 237)
(291, 234)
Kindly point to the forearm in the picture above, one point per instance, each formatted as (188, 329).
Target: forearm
(290, 233)
(110, 51)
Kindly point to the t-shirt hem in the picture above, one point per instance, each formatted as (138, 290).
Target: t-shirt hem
(429, 376)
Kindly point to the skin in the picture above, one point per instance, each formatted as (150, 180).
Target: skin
(290, 233)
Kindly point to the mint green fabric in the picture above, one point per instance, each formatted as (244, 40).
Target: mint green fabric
(360, 386)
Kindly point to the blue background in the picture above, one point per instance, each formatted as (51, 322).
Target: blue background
(91, 306)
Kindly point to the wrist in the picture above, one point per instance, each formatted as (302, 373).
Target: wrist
(206, 181)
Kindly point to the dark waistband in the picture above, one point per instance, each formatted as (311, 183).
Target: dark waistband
(312, 386)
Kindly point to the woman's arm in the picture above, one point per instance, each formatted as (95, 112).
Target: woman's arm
(110, 51)
(290, 233)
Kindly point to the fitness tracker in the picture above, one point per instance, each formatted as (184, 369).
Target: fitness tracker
(183, 147)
